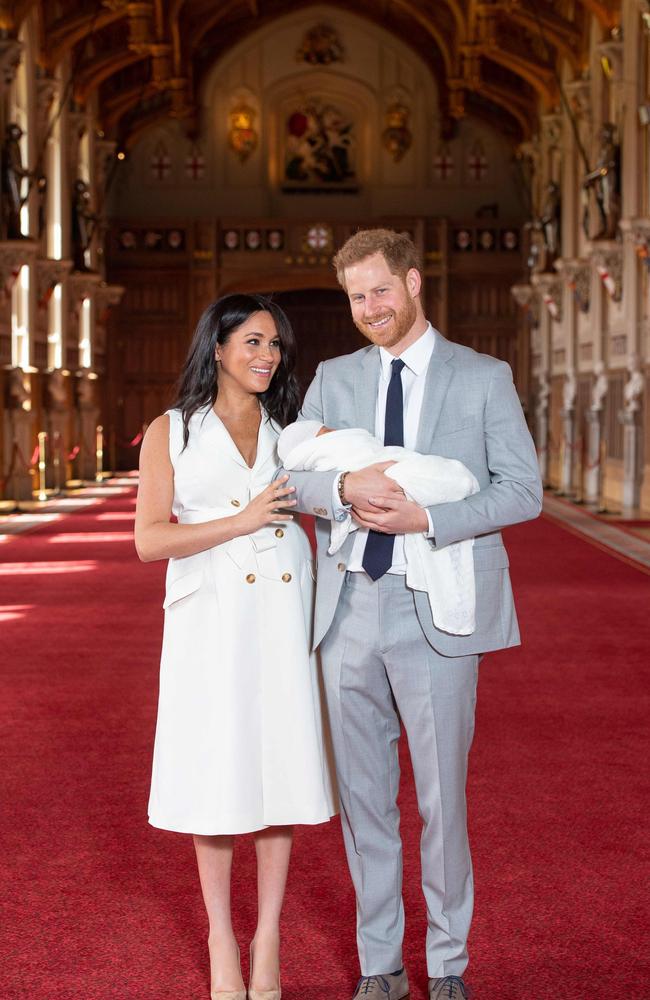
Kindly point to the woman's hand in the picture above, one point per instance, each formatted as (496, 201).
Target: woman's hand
(265, 508)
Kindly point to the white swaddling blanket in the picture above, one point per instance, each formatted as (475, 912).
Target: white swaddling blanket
(446, 574)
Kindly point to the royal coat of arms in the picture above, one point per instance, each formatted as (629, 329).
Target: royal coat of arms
(321, 46)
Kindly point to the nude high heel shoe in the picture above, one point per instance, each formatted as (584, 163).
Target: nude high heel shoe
(229, 994)
(262, 994)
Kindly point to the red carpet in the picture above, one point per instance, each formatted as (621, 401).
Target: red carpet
(98, 905)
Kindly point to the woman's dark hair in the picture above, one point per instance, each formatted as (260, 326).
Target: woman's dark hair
(198, 383)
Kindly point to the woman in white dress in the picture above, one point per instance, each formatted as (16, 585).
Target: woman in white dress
(240, 746)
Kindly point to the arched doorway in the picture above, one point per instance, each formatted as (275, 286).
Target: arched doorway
(323, 326)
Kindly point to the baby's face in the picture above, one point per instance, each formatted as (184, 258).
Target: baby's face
(324, 430)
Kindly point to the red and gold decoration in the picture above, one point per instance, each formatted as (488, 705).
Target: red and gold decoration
(397, 136)
(319, 147)
(443, 163)
(477, 162)
(195, 164)
(321, 46)
(318, 238)
(160, 164)
(242, 134)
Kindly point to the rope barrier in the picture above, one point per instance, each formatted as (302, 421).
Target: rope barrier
(135, 441)
(37, 461)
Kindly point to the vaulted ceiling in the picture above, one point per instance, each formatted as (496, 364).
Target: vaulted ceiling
(147, 59)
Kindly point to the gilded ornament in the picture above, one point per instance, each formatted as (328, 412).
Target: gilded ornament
(397, 136)
(242, 135)
(321, 46)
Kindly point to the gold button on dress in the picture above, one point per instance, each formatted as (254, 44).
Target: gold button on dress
(286, 577)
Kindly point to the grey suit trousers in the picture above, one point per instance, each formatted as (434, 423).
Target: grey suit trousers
(379, 669)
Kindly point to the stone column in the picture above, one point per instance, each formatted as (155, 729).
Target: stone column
(569, 392)
(632, 435)
(59, 405)
(593, 471)
(83, 285)
(541, 425)
(17, 416)
(632, 460)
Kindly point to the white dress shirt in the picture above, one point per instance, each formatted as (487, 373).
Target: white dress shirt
(416, 359)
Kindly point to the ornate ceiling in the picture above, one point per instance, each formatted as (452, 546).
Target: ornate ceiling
(146, 59)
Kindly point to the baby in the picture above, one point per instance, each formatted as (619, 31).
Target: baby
(446, 574)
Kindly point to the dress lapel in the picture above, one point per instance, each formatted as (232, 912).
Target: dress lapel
(365, 390)
(221, 435)
(266, 440)
(439, 374)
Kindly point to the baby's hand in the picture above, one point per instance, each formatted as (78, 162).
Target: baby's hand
(324, 430)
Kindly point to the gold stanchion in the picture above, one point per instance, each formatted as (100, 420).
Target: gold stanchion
(42, 493)
(99, 453)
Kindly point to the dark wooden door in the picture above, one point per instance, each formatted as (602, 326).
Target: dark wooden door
(323, 327)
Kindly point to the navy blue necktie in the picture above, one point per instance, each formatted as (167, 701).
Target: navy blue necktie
(378, 553)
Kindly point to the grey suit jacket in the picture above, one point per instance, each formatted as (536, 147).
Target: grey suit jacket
(470, 412)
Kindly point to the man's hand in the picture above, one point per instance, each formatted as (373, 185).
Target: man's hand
(392, 515)
(370, 482)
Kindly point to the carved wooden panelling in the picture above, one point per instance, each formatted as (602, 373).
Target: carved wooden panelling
(482, 315)
(555, 429)
(583, 399)
(39, 354)
(162, 294)
(5, 349)
(152, 351)
(481, 297)
(613, 426)
(323, 327)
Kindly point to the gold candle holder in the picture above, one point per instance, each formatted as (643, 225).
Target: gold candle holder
(42, 465)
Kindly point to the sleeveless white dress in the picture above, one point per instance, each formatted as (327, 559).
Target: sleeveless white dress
(241, 742)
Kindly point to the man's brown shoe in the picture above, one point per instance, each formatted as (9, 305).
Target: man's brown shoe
(386, 987)
(448, 988)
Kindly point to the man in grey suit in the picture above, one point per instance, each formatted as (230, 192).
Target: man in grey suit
(384, 661)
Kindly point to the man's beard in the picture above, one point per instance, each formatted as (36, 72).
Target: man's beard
(393, 332)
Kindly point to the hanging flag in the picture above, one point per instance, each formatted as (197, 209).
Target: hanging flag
(477, 164)
(160, 163)
(443, 164)
(195, 164)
